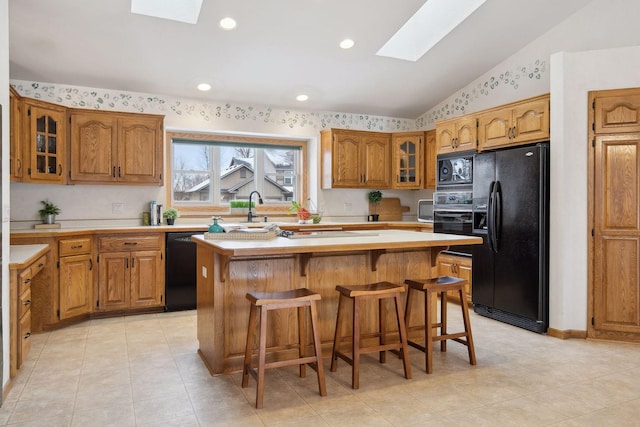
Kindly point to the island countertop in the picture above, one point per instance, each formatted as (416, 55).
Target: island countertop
(356, 240)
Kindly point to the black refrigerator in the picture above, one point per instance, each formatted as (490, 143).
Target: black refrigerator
(511, 213)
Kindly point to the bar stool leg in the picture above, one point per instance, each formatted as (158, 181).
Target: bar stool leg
(249, 347)
(443, 319)
(428, 332)
(337, 337)
(355, 372)
(318, 349)
(262, 356)
(382, 327)
(302, 333)
(402, 331)
(467, 328)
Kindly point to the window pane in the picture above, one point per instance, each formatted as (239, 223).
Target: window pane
(191, 186)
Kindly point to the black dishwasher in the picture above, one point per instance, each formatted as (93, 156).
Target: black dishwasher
(180, 274)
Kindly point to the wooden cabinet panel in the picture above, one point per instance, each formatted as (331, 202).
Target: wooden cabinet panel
(430, 162)
(518, 123)
(459, 134)
(76, 285)
(407, 153)
(16, 135)
(24, 337)
(77, 246)
(114, 281)
(24, 304)
(147, 278)
(108, 147)
(45, 142)
(456, 266)
(617, 112)
(355, 159)
(121, 243)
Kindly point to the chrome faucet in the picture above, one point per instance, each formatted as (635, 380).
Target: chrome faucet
(250, 215)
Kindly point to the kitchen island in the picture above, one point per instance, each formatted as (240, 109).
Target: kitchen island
(228, 269)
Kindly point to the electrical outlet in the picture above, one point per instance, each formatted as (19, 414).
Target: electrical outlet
(204, 271)
(117, 208)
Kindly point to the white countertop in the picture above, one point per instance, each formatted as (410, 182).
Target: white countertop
(22, 255)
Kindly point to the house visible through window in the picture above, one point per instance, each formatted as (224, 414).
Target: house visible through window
(209, 172)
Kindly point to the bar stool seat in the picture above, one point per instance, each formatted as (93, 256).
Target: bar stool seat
(379, 291)
(262, 303)
(431, 287)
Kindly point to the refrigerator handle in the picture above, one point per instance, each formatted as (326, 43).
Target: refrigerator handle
(490, 214)
(497, 216)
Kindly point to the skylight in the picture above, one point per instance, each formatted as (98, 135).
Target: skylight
(430, 24)
(176, 10)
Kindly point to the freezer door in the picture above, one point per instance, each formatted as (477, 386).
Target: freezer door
(517, 264)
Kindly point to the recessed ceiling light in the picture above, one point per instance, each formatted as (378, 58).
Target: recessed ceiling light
(347, 43)
(430, 24)
(182, 11)
(204, 87)
(302, 97)
(227, 23)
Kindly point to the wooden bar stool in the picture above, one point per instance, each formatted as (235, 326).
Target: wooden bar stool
(262, 303)
(379, 291)
(431, 287)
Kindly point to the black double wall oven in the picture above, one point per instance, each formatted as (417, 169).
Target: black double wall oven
(453, 199)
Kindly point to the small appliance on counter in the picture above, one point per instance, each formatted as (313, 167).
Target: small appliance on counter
(425, 210)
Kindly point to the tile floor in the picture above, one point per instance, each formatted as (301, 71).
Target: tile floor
(144, 371)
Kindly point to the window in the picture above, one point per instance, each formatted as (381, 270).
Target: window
(209, 171)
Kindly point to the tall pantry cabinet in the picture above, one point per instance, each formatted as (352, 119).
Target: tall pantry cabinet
(614, 212)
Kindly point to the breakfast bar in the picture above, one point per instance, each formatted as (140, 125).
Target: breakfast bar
(228, 269)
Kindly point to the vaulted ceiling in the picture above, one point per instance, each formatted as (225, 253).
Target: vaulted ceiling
(280, 48)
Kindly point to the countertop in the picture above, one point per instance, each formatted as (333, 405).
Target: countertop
(20, 256)
(360, 240)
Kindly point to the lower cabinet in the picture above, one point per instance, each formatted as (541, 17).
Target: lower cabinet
(456, 266)
(130, 272)
(76, 276)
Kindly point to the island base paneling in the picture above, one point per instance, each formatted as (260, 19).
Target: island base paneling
(223, 310)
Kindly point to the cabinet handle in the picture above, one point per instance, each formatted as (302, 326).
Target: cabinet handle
(40, 265)
(27, 281)
(130, 243)
(60, 170)
(133, 260)
(114, 171)
(119, 175)
(90, 264)
(27, 335)
(27, 302)
(19, 165)
(76, 246)
(126, 265)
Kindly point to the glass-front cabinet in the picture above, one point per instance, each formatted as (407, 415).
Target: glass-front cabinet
(407, 160)
(46, 143)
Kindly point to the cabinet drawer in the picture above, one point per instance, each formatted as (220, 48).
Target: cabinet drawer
(79, 246)
(130, 243)
(37, 266)
(24, 338)
(24, 279)
(24, 303)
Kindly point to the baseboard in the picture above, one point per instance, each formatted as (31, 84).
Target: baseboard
(566, 334)
(6, 389)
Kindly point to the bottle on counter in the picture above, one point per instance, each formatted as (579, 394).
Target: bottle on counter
(153, 212)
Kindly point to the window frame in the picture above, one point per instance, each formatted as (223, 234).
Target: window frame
(204, 211)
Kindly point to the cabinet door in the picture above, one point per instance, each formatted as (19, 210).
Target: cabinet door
(617, 113)
(430, 165)
(93, 147)
(76, 285)
(140, 150)
(494, 129)
(445, 137)
(466, 134)
(147, 278)
(114, 281)
(345, 154)
(531, 121)
(376, 154)
(24, 338)
(407, 160)
(15, 136)
(46, 145)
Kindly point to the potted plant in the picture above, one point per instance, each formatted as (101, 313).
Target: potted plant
(170, 214)
(48, 212)
(240, 206)
(374, 198)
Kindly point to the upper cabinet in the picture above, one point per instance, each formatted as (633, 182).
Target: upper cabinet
(617, 112)
(45, 143)
(109, 147)
(459, 134)
(355, 159)
(430, 159)
(16, 161)
(522, 122)
(407, 153)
